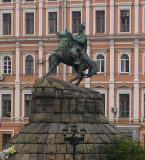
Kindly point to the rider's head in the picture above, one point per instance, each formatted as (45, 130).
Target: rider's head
(81, 27)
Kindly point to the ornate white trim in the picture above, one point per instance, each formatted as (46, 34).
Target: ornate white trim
(24, 13)
(94, 17)
(47, 23)
(25, 54)
(124, 91)
(123, 7)
(75, 9)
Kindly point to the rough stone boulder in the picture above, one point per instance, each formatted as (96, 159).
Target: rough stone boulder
(56, 105)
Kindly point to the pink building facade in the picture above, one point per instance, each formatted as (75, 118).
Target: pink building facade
(116, 40)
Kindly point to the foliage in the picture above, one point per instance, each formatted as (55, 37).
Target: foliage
(127, 149)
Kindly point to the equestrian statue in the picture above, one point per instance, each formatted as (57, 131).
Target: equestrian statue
(72, 51)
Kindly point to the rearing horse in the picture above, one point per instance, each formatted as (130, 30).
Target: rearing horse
(63, 55)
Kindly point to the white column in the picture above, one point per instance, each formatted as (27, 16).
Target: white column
(17, 83)
(17, 17)
(136, 55)
(136, 16)
(111, 60)
(136, 101)
(136, 80)
(111, 81)
(111, 16)
(40, 17)
(40, 58)
(87, 17)
(87, 80)
(17, 62)
(111, 100)
(17, 101)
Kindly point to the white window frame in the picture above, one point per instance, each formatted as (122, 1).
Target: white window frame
(24, 1)
(47, 23)
(2, 62)
(143, 63)
(142, 104)
(121, 52)
(1, 24)
(103, 91)
(124, 8)
(24, 14)
(104, 54)
(1, 1)
(24, 59)
(47, 66)
(143, 18)
(6, 91)
(25, 91)
(94, 15)
(75, 9)
(123, 91)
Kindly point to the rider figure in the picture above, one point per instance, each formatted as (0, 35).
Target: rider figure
(79, 48)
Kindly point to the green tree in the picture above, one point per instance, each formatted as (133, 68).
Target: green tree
(127, 149)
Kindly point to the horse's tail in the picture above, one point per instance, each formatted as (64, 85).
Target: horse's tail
(93, 70)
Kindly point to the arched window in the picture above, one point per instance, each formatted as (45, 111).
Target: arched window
(29, 65)
(124, 63)
(101, 63)
(7, 65)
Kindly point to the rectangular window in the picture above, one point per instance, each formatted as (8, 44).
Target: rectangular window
(124, 21)
(7, 23)
(29, 23)
(124, 105)
(6, 0)
(52, 22)
(5, 140)
(76, 20)
(6, 105)
(28, 99)
(100, 21)
(103, 104)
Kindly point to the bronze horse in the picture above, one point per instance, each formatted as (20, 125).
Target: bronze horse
(63, 55)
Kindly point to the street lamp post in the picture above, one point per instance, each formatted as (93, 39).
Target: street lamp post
(74, 137)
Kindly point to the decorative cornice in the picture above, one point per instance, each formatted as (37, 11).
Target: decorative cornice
(124, 3)
(76, 5)
(125, 50)
(99, 4)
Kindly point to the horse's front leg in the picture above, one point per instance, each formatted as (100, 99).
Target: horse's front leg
(80, 78)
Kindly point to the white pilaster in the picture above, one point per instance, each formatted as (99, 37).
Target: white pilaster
(111, 16)
(136, 55)
(17, 62)
(87, 17)
(40, 17)
(111, 81)
(136, 79)
(136, 16)
(111, 60)
(136, 101)
(17, 82)
(40, 58)
(87, 80)
(17, 17)
(17, 101)
(111, 100)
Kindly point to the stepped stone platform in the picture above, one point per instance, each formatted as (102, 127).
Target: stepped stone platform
(56, 105)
